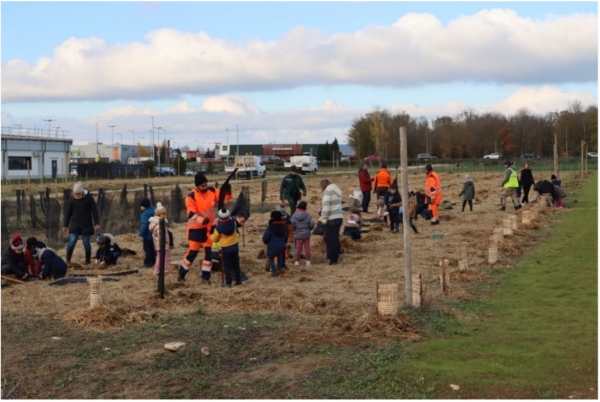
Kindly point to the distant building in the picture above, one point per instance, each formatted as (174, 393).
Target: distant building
(36, 155)
(283, 151)
(115, 152)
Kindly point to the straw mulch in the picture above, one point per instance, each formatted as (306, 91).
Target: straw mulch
(342, 295)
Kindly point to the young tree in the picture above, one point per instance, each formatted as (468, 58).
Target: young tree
(378, 132)
(508, 147)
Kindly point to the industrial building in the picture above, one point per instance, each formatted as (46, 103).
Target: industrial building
(115, 152)
(34, 154)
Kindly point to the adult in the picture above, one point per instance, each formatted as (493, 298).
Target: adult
(510, 185)
(145, 233)
(365, 180)
(81, 219)
(201, 205)
(382, 181)
(332, 217)
(526, 182)
(13, 260)
(292, 189)
(433, 193)
(545, 188)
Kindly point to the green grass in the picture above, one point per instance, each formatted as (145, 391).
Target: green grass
(540, 337)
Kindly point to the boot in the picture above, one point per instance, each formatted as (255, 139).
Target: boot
(501, 209)
(69, 255)
(181, 274)
(88, 257)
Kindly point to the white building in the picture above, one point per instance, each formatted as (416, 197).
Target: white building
(120, 152)
(41, 156)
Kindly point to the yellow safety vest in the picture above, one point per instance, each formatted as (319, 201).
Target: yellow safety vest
(512, 182)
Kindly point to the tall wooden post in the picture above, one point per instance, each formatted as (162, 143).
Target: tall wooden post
(406, 221)
(162, 232)
(555, 156)
(582, 158)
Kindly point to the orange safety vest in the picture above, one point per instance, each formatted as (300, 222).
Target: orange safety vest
(383, 178)
(200, 206)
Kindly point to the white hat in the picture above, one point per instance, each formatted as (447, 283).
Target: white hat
(78, 187)
(224, 213)
(160, 210)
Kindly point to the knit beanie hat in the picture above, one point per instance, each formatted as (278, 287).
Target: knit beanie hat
(276, 215)
(428, 167)
(224, 213)
(145, 203)
(293, 168)
(78, 187)
(31, 242)
(17, 243)
(281, 209)
(302, 205)
(160, 210)
(200, 179)
(467, 178)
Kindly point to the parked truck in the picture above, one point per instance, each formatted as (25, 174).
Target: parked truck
(304, 163)
(247, 166)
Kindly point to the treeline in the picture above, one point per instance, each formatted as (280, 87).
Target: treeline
(470, 135)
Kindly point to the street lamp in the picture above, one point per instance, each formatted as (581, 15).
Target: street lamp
(134, 144)
(111, 134)
(227, 139)
(143, 141)
(121, 136)
(56, 131)
(238, 140)
(153, 153)
(19, 128)
(97, 153)
(49, 120)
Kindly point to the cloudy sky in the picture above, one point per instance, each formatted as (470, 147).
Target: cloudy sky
(285, 71)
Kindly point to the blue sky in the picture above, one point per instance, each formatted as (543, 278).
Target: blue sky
(287, 70)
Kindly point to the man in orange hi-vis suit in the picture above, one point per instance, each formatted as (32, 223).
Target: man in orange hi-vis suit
(433, 193)
(201, 206)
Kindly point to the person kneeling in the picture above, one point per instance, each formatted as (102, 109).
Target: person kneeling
(108, 250)
(352, 228)
(52, 265)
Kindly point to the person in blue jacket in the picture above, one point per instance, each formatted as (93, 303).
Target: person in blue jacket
(275, 237)
(52, 265)
(145, 233)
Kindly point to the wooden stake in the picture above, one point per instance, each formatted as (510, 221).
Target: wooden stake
(8, 278)
(444, 275)
(417, 290)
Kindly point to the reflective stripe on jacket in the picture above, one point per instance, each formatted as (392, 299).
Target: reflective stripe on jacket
(199, 206)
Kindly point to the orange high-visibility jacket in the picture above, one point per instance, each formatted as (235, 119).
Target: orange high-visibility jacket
(200, 206)
(383, 178)
(432, 180)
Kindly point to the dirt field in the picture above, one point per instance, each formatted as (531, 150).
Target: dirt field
(343, 296)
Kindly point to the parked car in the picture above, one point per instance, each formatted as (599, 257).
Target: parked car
(494, 155)
(188, 172)
(593, 154)
(426, 157)
(373, 158)
(272, 159)
(529, 156)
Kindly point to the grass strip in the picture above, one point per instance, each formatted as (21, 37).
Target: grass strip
(540, 337)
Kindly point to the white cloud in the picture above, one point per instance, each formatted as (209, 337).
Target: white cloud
(491, 46)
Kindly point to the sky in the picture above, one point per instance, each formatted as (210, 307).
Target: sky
(285, 72)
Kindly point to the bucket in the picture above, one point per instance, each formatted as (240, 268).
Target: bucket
(387, 299)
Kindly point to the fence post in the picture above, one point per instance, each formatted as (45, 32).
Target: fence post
(161, 257)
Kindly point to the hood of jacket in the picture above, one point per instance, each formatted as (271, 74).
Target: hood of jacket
(333, 187)
(226, 228)
(301, 215)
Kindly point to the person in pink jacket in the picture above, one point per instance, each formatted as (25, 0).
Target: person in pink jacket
(154, 228)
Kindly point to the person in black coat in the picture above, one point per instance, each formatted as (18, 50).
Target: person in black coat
(13, 260)
(544, 187)
(108, 250)
(526, 182)
(421, 207)
(393, 201)
(81, 219)
(52, 265)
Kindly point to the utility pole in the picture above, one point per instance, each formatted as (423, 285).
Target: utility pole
(406, 221)
(49, 121)
(238, 140)
(134, 144)
(112, 142)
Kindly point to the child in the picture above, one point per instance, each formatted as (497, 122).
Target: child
(52, 265)
(33, 264)
(13, 260)
(421, 207)
(468, 193)
(412, 211)
(146, 235)
(303, 224)
(393, 201)
(351, 228)
(108, 250)
(154, 227)
(556, 182)
(226, 235)
(275, 237)
(289, 229)
(382, 209)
